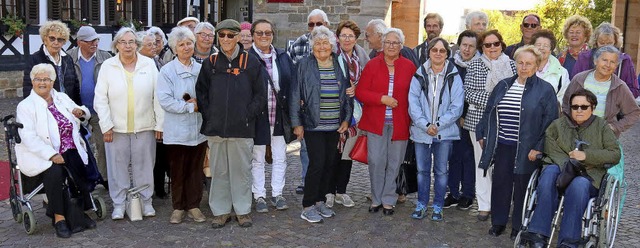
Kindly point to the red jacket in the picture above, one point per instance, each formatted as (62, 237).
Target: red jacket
(374, 83)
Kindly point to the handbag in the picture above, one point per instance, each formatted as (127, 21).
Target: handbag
(348, 147)
(407, 180)
(567, 174)
(359, 151)
(287, 130)
(73, 203)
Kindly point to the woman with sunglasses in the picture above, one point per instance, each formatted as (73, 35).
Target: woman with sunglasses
(482, 76)
(580, 123)
(617, 105)
(511, 132)
(54, 35)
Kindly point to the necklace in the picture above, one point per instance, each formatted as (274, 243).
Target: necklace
(390, 65)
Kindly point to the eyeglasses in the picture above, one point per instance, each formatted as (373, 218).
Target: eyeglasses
(530, 25)
(42, 80)
(583, 107)
(60, 40)
(228, 35)
(436, 50)
(315, 24)
(347, 36)
(265, 33)
(125, 43)
(392, 43)
(495, 44)
(539, 45)
(205, 35)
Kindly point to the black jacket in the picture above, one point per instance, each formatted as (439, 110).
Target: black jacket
(71, 83)
(230, 103)
(286, 77)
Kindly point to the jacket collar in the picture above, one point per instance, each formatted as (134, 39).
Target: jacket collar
(582, 76)
(573, 124)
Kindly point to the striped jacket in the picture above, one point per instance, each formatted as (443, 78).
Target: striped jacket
(474, 92)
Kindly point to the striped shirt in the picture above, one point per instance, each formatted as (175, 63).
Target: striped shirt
(509, 115)
(388, 113)
(329, 101)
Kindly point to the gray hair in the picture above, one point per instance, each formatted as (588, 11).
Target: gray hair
(322, 32)
(202, 26)
(378, 25)
(605, 49)
(157, 31)
(144, 34)
(316, 12)
(606, 28)
(178, 34)
(43, 68)
(397, 31)
(473, 15)
(118, 36)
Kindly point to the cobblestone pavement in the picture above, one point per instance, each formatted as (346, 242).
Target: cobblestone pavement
(351, 227)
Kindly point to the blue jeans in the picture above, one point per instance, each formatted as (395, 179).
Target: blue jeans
(576, 198)
(462, 168)
(440, 150)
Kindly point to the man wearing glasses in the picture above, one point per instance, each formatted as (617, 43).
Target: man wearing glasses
(529, 26)
(87, 60)
(373, 36)
(300, 47)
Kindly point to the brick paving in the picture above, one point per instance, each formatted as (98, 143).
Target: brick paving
(351, 227)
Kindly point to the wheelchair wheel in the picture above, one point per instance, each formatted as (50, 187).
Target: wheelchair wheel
(516, 242)
(16, 209)
(609, 215)
(101, 207)
(530, 197)
(29, 222)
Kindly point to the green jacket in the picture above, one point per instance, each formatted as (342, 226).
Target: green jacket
(603, 148)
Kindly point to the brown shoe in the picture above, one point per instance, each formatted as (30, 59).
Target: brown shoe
(244, 220)
(220, 220)
(176, 216)
(196, 215)
(483, 215)
(402, 198)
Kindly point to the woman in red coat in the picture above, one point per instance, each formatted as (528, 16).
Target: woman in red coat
(384, 90)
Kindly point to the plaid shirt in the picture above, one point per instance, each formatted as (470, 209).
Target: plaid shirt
(299, 49)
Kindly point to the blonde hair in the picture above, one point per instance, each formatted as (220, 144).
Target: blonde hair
(54, 26)
(580, 21)
(531, 49)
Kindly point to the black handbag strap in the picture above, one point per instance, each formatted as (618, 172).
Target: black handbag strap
(275, 93)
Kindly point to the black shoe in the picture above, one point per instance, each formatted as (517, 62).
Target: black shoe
(89, 223)
(514, 234)
(450, 202)
(62, 230)
(387, 211)
(536, 240)
(162, 195)
(464, 203)
(496, 230)
(105, 184)
(300, 190)
(375, 209)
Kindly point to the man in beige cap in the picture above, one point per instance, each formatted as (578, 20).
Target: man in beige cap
(87, 59)
(231, 94)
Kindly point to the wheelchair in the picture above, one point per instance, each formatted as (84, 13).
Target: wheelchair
(23, 188)
(600, 219)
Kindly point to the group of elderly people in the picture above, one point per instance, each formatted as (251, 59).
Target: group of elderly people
(479, 114)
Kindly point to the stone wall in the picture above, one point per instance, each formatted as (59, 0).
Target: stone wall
(632, 25)
(10, 84)
(290, 19)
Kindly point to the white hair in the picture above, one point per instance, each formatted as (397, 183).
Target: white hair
(397, 31)
(179, 34)
(378, 25)
(144, 34)
(322, 32)
(605, 49)
(43, 68)
(202, 26)
(475, 14)
(118, 36)
(157, 31)
(316, 12)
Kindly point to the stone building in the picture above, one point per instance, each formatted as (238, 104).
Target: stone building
(626, 16)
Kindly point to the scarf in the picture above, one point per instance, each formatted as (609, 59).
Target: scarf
(498, 69)
(353, 64)
(460, 62)
(563, 56)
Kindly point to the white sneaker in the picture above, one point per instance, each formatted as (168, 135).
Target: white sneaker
(148, 211)
(345, 200)
(118, 213)
(330, 200)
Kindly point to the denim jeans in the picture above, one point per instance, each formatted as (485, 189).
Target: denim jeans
(440, 150)
(576, 198)
(462, 168)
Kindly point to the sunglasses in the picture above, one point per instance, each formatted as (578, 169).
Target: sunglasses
(530, 25)
(266, 33)
(583, 107)
(436, 50)
(60, 40)
(495, 44)
(315, 24)
(228, 35)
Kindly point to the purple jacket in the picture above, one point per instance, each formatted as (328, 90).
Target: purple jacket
(627, 70)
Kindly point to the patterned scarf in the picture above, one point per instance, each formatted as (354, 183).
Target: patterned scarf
(498, 69)
(563, 56)
(353, 63)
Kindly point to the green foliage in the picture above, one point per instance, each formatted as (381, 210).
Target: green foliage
(135, 24)
(15, 25)
(509, 26)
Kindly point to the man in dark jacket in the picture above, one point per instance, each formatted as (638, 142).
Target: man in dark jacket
(373, 35)
(433, 24)
(231, 95)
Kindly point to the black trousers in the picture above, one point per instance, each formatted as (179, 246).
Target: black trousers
(341, 175)
(505, 185)
(186, 175)
(322, 149)
(160, 169)
(54, 178)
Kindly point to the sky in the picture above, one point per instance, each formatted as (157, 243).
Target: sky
(452, 10)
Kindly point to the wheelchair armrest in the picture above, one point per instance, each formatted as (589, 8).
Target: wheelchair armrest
(607, 166)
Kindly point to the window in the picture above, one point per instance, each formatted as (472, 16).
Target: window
(11, 7)
(132, 10)
(71, 10)
(168, 12)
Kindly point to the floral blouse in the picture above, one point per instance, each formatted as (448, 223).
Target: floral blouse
(66, 129)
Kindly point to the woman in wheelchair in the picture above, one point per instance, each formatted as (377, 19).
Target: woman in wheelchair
(51, 140)
(601, 148)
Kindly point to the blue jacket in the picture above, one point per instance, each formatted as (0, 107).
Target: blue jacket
(307, 90)
(287, 75)
(539, 107)
(449, 109)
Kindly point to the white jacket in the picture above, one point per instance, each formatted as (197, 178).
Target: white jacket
(40, 134)
(110, 102)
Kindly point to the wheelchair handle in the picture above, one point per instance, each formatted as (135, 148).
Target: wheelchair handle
(11, 127)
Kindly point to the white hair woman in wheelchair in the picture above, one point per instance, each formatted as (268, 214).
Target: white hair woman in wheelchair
(50, 140)
(601, 148)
